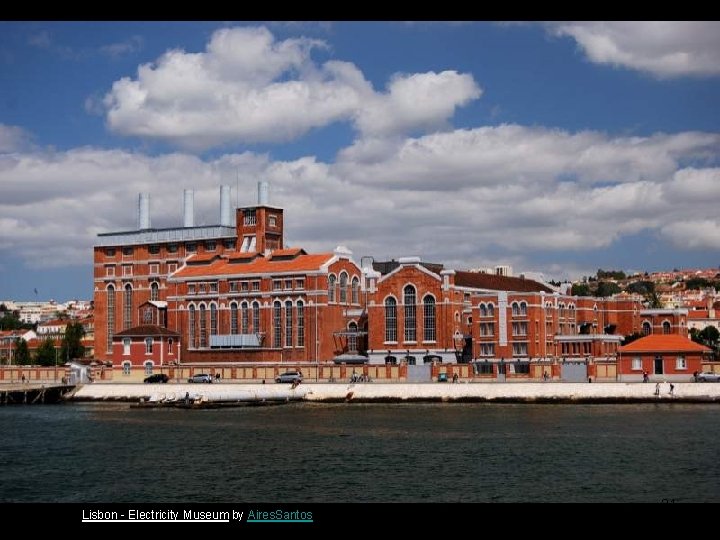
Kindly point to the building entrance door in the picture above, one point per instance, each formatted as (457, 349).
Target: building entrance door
(658, 365)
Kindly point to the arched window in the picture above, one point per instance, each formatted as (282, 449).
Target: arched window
(483, 310)
(410, 323)
(646, 328)
(126, 368)
(233, 318)
(256, 316)
(343, 287)
(331, 288)
(548, 309)
(213, 320)
(127, 307)
(148, 345)
(515, 309)
(429, 319)
(352, 338)
(244, 319)
(154, 291)
(491, 310)
(288, 323)
(191, 326)
(203, 326)
(110, 317)
(523, 308)
(148, 367)
(355, 286)
(666, 327)
(277, 324)
(390, 319)
(300, 323)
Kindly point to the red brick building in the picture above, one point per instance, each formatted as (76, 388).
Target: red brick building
(663, 357)
(148, 345)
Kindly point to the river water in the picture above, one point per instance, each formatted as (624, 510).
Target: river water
(304, 452)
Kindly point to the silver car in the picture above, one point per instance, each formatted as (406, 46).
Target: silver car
(708, 376)
(289, 376)
(200, 378)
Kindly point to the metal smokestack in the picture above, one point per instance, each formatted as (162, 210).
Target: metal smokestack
(263, 193)
(143, 211)
(188, 210)
(225, 216)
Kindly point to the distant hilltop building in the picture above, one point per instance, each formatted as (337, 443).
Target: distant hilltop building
(233, 292)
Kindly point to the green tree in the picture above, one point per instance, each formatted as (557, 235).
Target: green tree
(22, 353)
(652, 300)
(10, 321)
(607, 288)
(610, 274)
(45, 355)
(72, 346)
(709, 336)
(641, 287)
(580, 289)
(697, 283)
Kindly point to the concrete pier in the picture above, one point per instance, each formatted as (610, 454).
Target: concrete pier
(535, 392)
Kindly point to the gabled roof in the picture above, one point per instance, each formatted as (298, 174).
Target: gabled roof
(202, 257)
(147, 330)
(663, 343)
(259, 265)
(493, 282)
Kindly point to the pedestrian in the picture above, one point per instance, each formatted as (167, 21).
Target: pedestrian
(645, 377)
(657, 389)
(23, 378)
(672, 388)
(455, 377)
(545, 376)
(695, 375)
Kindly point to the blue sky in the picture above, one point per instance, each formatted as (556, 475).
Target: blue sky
(557, 147)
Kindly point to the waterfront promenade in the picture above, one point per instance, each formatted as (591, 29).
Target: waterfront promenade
(534, 392)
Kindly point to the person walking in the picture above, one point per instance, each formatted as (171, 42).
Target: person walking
(657, 389)
(672, 389)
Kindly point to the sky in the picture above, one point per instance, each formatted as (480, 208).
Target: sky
(558, 148)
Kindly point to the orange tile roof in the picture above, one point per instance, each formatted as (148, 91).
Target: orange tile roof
(663, 343)
(261, 265)
(198, 258)
(698, 314)
(288, 252)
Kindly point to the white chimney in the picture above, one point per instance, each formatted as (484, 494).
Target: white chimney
(188, 210)
(143, 211)
(225, 216)
(263, 193)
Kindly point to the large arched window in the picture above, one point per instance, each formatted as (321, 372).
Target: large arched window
(523, 308)
(277, 324)
(213, 320)
(331, 288)
(288, 323)
(154, 291)
(203, 326)
(110, 316)
(300, 323)
(390, 319)
(429, 318)
(233, 318)
(483, 310)
(646, 328)
(343, 287)
(127, 307)
(410, 322)
(355, 286)
(491, 310)
(256, 316)
(515, 309)
(244, 319)
(191, 326)
(667, 328)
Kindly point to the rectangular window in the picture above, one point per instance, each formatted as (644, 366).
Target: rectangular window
(213, 287)
(110, 270)
(127, 270)
(680, 363)
(210, 245)
(277, 285)
(148, 345)
(201, 288)
(248, 244)
(190, 247)
(127, 251)
(172, 267)
(288, 324)
(300, 325)
(109, 252)
(637, 363)
(487, 329)
(191, 288)
(249, 217)
(154, 249)
(256, 286)
(520, 369)
(272, 221)
(172, 248)
(126, 346)
(484, 368)
(288, 284)
(519, 328)
(244, 286)
(155, 268)
(233, 286)
(299, 283)
(126, 368)
(244, 319)
(277, 325)
(229, 244)
(233, 318)
(519, 349)
(390, 321)
(487, 349)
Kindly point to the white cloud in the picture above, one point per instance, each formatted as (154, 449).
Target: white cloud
(13, 139)
(461, 198)
(248, 87)
(129, 46)
(663, 48)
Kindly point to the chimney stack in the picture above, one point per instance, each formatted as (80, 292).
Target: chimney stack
(263, 193)
(188, 210)
(143, 211)
(225, 216)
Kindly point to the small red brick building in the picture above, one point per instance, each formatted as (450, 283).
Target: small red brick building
(149, 345)
(662, 357)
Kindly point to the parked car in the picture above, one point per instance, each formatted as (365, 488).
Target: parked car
(289, 376)
(201, 378)
(708, 376)
(157, 378)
